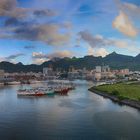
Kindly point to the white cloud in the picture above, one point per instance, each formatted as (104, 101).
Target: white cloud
(39, 60)
(11, 58)
(102, 52)
(131, 9)
(97, 52)
(98, 41)
(39, 57)
(90, 51)
(124, 25)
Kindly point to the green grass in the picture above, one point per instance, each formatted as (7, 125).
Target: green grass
(122, 90)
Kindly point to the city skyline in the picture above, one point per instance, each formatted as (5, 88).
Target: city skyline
(34, 31)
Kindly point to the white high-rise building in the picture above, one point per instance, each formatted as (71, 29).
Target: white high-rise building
(98, 69)
(48, 72)
(105, 68)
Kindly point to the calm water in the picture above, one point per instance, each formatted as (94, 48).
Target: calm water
(81, 115)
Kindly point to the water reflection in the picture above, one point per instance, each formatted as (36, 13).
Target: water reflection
(80, 115)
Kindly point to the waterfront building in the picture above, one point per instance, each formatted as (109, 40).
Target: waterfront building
(105, 68)
(71, 69)
(125, 71)
(103, 72)
(97, 76)
(73, 75)
(107, 75)
(2, 75)
(98, 69)
(48, 73)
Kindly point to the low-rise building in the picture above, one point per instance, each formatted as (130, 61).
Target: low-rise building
(97, 76)
(2, 75)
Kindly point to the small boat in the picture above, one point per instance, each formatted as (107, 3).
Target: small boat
(39, 93)
(30, 93)
(62, 91)
(49, 92)
(25, 93)
(21, 90)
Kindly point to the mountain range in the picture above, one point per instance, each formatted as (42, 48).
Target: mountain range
(114, 60)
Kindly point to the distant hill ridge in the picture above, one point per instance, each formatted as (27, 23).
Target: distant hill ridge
(114, 60)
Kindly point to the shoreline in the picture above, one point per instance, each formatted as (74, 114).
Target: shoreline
(19, 83)
(128, 102)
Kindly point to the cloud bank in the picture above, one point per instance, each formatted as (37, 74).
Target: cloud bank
(11, 58)
(39, 57)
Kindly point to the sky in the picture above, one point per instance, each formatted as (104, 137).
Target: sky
(35, 31)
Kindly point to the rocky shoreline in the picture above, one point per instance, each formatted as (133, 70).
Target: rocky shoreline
(132, 103)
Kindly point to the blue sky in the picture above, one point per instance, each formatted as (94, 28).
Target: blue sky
(34, 31)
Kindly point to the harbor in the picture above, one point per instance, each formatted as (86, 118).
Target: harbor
(80, 114)
(51, 88)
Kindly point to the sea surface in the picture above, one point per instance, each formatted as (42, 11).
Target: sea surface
(82, 115)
